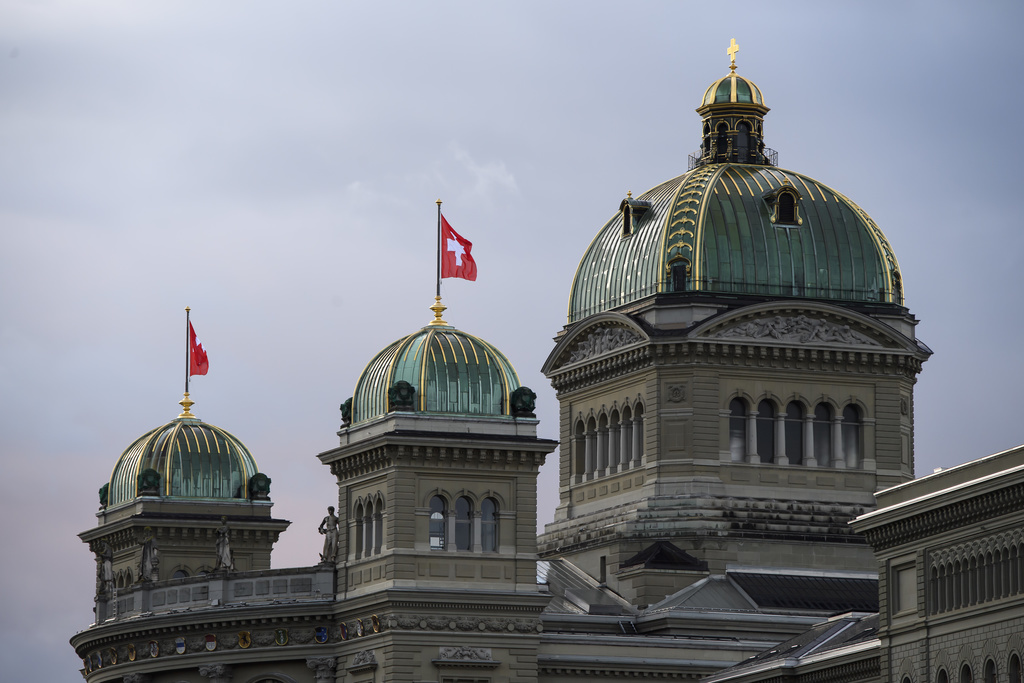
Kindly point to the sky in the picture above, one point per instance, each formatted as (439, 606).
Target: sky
(275, 167)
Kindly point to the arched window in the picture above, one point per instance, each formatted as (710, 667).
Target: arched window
(579, 456)
(721, 143)
(357, 515)
(942, 677)
(852, 436)
(180, 574)
(489, 525)
(787, 208)
(679, 272)
(378, 525)
(766, 431)
(463, 524)
(742, 141)
(737, 429)
(626, 437)
(437, 522)
(368, 529)
(966, 676)
(990, 671)
(823, 434)
(795, 433)
(1014, 669)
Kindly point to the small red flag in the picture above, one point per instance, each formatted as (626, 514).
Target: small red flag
(198, 363)
(456, 260)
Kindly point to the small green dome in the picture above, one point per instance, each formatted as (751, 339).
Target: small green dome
(191, 459)
(733, 89)
(737, 229)
(444, 370)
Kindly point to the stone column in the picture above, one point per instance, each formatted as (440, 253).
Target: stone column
(625, 435)
(477, 532)
(217, 673)
(449, 536)
(809, 459)
(590, 453)
(323, 668)
(613, 448)
(638, 440)
(780, 440)
(752, 455)
(602, 451)
(838, 461)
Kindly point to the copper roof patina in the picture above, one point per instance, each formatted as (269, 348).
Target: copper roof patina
(451, 371)
(719, 220)
(193, 459)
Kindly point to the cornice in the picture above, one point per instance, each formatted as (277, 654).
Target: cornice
(410, 452)
(956, 515)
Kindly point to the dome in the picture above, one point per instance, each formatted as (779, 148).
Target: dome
(732, 89)
(444, 370)
(191, 459)
(737, 229)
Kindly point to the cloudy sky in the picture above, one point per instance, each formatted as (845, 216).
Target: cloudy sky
(275, 166)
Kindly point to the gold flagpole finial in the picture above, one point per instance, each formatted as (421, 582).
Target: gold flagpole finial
(439, 202)
(438, 308)
(733, 49)
(186, 403)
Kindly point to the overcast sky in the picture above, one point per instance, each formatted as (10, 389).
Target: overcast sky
(275, 166)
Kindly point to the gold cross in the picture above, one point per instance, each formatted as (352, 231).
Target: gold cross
(733, 49)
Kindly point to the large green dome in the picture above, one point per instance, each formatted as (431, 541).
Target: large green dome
(191, 460)
(719, 228)
(447, 370)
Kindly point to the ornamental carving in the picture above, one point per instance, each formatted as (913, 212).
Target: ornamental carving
(217, 673)
(676, 393)
(799, 329)
(480, 654)
(323, 668)
(602, 341)
(364, 659)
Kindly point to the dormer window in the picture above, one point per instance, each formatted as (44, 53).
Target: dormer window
(787, 208)
(784, 205)
(632, 211)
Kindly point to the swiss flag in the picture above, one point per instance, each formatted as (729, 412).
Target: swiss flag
(198, 363)
(456, 260)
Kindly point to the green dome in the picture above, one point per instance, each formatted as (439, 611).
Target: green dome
(733, 89)
(738, 229)
(193, 460)
(450, 372)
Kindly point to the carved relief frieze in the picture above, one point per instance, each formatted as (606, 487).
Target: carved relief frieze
(799, 329)
(411, 622)
(463, 652)
(363, 660)
(602, 341)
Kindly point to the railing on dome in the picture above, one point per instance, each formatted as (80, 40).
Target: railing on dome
(767, 157)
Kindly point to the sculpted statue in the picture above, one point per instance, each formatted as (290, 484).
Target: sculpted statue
(346, 413)
(329, 529)
(401, 396)
(259, 486)
(149, 564)
(149, 482)
(224, 560)
(104, 494)
(105, 570)
(523, 401)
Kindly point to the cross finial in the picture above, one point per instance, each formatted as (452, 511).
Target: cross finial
(733, 49)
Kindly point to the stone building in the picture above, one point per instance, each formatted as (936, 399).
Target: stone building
(735, 381)
(950, 555)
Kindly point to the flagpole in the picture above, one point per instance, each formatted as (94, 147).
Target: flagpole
(188, 350)
(439, 249)
(186, 402)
